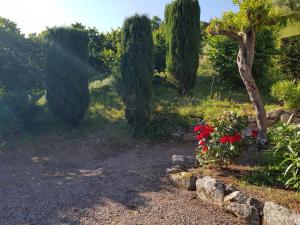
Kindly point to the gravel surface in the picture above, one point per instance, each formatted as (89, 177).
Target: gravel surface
(89, 180)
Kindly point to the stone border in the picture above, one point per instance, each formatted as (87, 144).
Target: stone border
(229, 197)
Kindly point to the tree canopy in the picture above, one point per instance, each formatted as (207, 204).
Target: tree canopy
(253, 14)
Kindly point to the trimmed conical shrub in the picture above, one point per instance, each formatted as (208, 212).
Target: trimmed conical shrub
(137, 70)
(183, 42)
(67, 74)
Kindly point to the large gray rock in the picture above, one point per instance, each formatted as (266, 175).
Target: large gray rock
(274, 214)
(244, 211)
(210, 189)
(184, 180)
(184, 161)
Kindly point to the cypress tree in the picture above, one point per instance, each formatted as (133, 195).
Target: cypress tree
(183, 42)
(67, 74)
(137, 70)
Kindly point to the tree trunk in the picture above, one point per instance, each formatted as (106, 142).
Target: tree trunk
(244, 61)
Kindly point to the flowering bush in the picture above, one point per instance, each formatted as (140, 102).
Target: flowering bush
(219, 141)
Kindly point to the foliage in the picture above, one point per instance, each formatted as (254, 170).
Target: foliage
(164, 121)
(112, 52)
(203, 37)
(67, 74)
(252, 13)
(290, 56)
(104, 50)
(183, 42)
(286, 140)
(160, 49)
(156, 22)
(21, 77)
(288, 92)
(289, 9)
(219, 141)
(223, 52)
(137, 71)
(265, 176)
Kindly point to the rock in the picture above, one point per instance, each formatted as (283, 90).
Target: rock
(236, 196)
(284, 118)
(296, 121)
(251, 119)
(270, 123)
(252, 125)
(244, 211)
(189, 137)
(175, 169)
(274, 214)
(184, 161)
(274, 114)
(255, 203)
(184, 180)
(230, 188)
(210, 189)
(296, 218)
(176, 136)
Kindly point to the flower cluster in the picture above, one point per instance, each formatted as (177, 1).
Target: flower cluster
(219, 141)
(203, 132)
(231, 139)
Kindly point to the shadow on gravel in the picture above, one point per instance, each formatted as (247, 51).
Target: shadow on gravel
(59, 183)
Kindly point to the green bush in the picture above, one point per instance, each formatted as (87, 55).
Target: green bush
(164, 122)
(159, 41)
(21, 78)
(222, 53)
(290, 56)
(137, 71)
(286, 140)
(67, 74)
(183, 38)
(221, 139)
(287, 92)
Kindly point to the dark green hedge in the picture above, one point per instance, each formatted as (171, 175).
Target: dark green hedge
(290, 56)
(67, 74)
(183, 41)
(137, 64)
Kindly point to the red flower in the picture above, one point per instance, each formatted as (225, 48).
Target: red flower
(254, 133)
(201, 128)
(231, 139)
(204, 149)
(235, 138)
(224, 139)
(201, 143)
(197, 128)
(203, 134)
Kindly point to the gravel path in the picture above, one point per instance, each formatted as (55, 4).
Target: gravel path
(91, 181)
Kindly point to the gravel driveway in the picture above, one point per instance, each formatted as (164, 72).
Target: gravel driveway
(89, 180)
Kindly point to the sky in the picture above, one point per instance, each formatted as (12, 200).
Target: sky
(33, 16)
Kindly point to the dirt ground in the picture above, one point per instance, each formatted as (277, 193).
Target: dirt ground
(94, 180)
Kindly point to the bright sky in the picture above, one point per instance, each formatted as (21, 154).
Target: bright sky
(35, 15)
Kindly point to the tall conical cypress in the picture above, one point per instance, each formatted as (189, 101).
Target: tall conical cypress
(137, 70)
(67, 74)
(183, 42)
